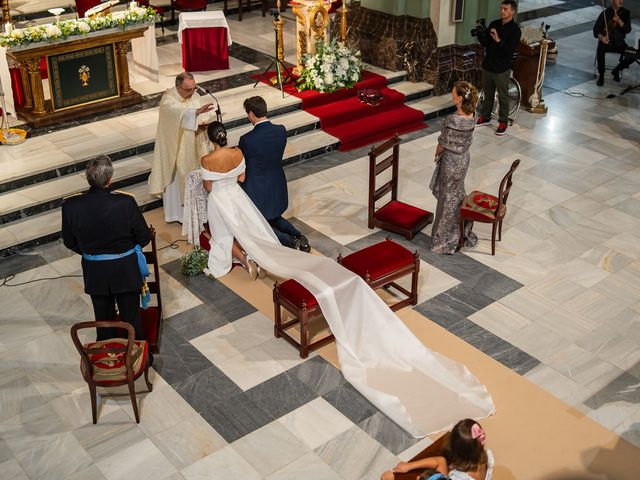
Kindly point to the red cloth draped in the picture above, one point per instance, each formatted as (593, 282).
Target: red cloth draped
(205, 49)
(16, 86)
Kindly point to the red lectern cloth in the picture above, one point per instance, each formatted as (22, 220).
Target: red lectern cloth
(205, 49)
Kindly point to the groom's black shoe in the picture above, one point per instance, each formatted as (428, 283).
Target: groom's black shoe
(304, 244)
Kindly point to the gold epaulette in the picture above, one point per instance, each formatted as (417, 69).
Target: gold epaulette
(123, 193)
(72, 195)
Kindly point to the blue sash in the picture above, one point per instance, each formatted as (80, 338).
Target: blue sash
(145, 295)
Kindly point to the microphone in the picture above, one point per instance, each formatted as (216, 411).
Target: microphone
(207, 92)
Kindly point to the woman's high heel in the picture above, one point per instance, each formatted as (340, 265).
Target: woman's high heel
(251, 266)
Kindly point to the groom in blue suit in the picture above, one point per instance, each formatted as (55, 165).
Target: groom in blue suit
(265, 183)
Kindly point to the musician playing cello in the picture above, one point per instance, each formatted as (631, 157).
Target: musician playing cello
(610, 28)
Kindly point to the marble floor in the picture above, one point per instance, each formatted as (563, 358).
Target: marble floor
(551, 323)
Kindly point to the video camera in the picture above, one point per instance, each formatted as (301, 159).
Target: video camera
(275, 13)
(480, 28)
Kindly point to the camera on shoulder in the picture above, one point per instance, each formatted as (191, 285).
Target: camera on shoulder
(480, 28)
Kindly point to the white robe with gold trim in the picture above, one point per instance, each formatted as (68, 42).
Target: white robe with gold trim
(179, 147)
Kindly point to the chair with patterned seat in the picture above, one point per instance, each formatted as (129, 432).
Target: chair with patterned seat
(485, 208)
(395, 216)
(113, 362)
(381, 264)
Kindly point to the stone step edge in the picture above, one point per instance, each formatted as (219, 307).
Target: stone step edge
(142, 175)
(149, 203)
(147, 147)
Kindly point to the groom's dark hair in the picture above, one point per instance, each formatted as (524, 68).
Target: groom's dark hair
(256, 105)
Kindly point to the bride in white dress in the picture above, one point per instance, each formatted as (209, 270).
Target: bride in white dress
(421, 390)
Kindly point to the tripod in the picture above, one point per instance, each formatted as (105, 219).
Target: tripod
(277, 60)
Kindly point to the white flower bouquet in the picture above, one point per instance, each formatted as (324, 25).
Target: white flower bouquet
(67, 28)
(332, 67)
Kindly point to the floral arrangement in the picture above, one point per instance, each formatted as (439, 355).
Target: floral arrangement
(68, 28)
(194, 262)
(332, 67)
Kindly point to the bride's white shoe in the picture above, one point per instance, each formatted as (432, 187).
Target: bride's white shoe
(252, 267)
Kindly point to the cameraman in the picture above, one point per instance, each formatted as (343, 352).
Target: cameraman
(500, 40)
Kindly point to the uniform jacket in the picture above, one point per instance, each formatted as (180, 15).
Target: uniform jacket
(102, 221)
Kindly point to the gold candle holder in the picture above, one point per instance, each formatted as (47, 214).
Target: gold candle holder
(343, 21)
(6, 12)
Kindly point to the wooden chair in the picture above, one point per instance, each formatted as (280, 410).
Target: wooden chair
(83, 5)
(394, 216)
(303, 305)
(248, 4)
(113, 362)
(186, 6)
(436, 449)
(485, 208)
(152, 317)
(380, 264)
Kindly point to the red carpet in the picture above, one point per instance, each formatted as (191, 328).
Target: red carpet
(357, 124)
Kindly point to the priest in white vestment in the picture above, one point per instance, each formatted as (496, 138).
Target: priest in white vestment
(180, 143)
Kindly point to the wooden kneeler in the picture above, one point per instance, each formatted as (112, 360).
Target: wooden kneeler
(303, 305)
(394, 216)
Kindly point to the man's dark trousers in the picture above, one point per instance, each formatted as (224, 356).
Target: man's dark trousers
(490, 83)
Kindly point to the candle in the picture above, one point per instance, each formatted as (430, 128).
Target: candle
(8, 27)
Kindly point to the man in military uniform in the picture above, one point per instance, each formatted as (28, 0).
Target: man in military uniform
(104, 227)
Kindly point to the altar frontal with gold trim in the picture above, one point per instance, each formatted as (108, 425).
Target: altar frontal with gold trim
(82, 77)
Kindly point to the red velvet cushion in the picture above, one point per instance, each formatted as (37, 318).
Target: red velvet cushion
(190, 4)
(296, 294)
(109, 368)
(150, 320)
(379, 259)
(403, 215)
(481, 207)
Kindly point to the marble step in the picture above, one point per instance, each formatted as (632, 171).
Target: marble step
(45, 227)
(21, 203)
(302, 145)
(65, 152)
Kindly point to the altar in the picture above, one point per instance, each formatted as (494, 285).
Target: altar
(86, 75)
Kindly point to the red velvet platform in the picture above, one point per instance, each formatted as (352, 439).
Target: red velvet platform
(358, 124)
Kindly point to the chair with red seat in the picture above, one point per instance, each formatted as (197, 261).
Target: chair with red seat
(112, 363)
(264, 4)
(303, 305)
(485, 208)
(394, 216)
(151, 318)
(186, 6)
(380, 264)
(83, 5)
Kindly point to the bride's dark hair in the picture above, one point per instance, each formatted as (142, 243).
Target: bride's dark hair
(217, 133)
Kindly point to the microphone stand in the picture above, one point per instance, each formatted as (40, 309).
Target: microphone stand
(207, 92)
